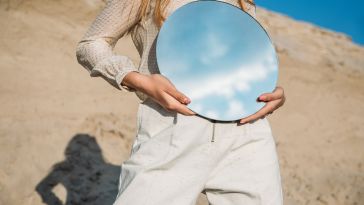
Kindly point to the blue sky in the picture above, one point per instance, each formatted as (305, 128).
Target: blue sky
(218, 56)
(343, 16)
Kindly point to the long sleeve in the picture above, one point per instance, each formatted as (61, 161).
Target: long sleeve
(95, 50)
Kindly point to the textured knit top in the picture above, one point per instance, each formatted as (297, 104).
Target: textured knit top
(95, 50)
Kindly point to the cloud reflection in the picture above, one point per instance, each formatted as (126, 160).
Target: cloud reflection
(218, 56)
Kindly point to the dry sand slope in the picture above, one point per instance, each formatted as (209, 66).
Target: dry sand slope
(64, 134)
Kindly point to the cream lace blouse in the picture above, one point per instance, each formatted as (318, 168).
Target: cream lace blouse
(95, 49)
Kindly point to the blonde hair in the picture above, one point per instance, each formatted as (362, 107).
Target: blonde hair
(160, 6)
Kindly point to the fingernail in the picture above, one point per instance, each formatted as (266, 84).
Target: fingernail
(262, 98)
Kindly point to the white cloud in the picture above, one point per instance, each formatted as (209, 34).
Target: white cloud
(197, 107)
(227, 84)
(214, 48)
(235, 108)
(212, 114)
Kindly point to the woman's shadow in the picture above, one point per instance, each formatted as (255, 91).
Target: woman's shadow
(87, 178)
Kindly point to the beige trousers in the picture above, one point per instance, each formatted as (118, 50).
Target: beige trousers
(175, 157)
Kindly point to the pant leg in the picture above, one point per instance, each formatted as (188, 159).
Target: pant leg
(169, 161)
(249, 174)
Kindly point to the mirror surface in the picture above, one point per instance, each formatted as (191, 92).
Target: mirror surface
(219, 56)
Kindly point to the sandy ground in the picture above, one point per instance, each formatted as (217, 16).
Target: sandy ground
(67, 133)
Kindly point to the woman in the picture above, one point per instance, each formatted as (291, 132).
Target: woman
(174, 156)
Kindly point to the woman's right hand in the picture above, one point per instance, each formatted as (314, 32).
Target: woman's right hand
(161, 90)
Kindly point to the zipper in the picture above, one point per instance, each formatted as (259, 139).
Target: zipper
(213, 131)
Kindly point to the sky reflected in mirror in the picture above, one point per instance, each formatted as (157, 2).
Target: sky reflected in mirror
(219, 56)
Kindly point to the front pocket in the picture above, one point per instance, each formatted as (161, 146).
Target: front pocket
(262, 125)
(252, 133)
(139, 117)
(154, 119)
(260, 129)
(154, 135)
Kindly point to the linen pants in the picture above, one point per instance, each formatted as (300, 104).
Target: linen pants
(175, 157)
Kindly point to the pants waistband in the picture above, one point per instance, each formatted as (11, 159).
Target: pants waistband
(153, 103)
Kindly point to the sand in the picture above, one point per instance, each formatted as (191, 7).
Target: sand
(63, 134)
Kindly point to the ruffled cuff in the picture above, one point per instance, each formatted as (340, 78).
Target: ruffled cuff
(119, 78)
(113, 70)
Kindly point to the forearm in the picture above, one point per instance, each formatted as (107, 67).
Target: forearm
(135, 80)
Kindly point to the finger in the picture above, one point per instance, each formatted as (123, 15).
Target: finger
(254, 116)
(179, 96)
(173, 105)
(183, 109)
(268, 107)
(180, 108)
(275, 95)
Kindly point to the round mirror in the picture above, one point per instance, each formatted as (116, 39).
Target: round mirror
(219, 56)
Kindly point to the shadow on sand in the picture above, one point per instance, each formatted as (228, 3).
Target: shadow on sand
(85, 175)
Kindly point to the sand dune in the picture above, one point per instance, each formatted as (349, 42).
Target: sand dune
(64, 134)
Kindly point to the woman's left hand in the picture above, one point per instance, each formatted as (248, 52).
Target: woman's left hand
(273, 101)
